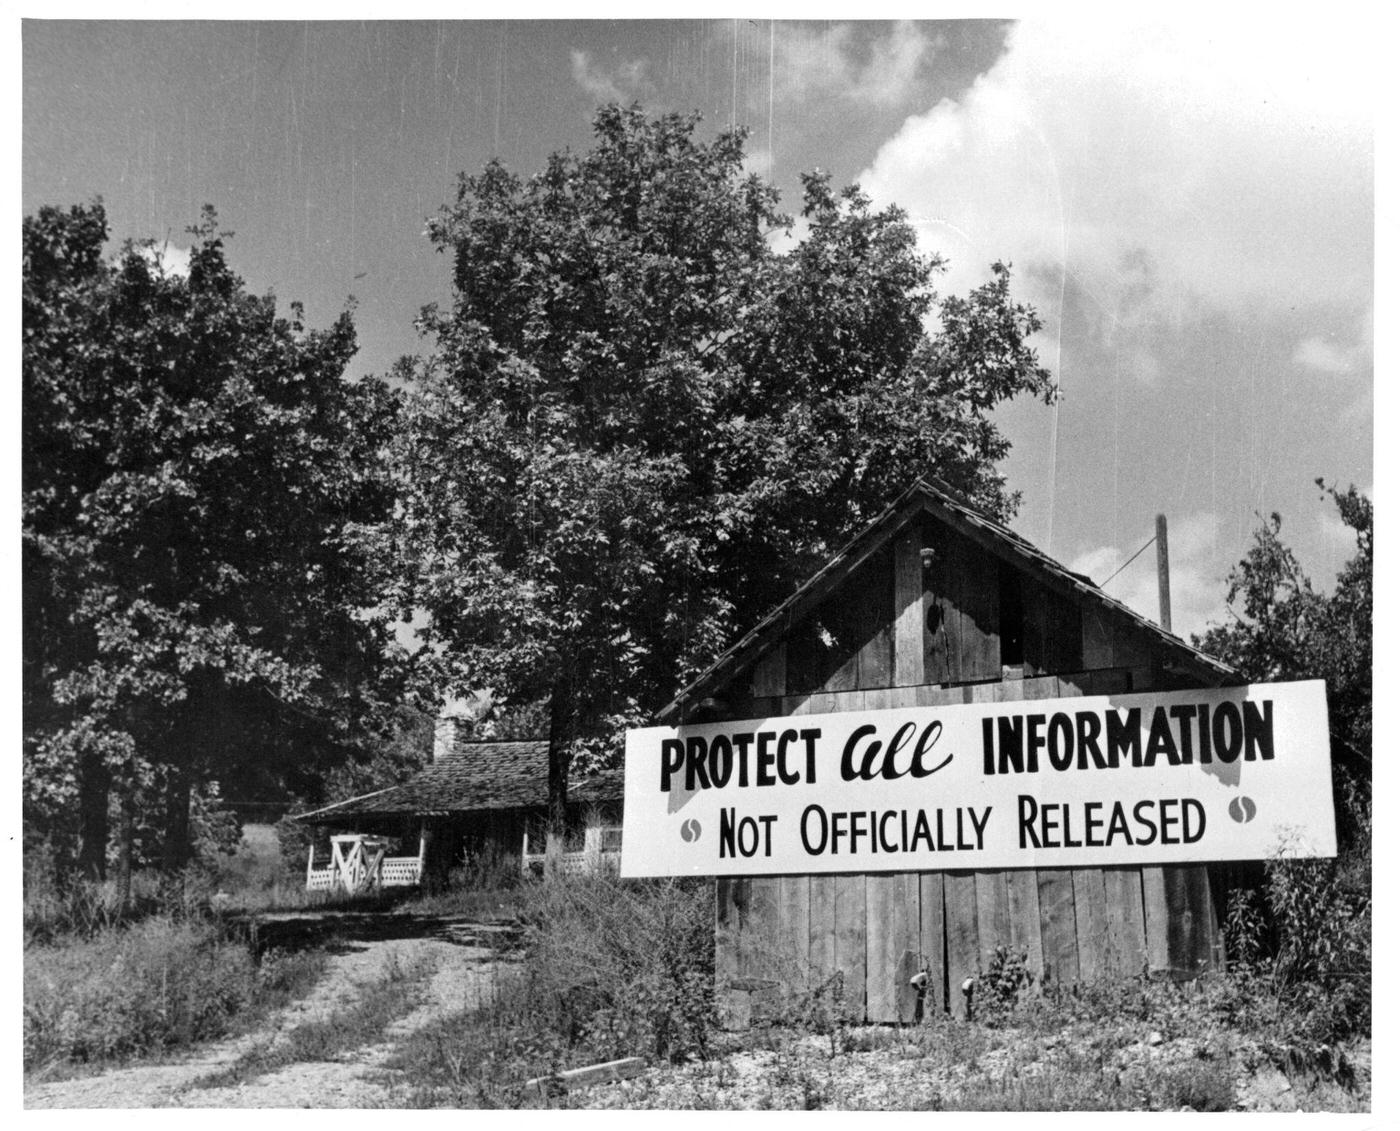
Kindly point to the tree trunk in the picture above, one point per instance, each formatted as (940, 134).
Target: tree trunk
(437, 855)
(175, 851)
(126, 836)
(560, 736)
(94, 788)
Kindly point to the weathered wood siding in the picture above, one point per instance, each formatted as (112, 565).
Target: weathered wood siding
(935, 619)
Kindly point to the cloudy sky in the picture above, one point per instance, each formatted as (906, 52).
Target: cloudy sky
(1189, 205)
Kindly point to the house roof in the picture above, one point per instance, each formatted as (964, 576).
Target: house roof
(474, 777)
(928, 496)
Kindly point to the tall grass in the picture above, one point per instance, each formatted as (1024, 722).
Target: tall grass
(608, 968)
(153, 985)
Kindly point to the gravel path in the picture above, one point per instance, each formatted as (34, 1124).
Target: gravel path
(464, 965)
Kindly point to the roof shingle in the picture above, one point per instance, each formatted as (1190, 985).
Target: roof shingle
(476, 776)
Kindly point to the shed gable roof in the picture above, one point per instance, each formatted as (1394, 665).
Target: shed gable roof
(928, 496)
(473, 777)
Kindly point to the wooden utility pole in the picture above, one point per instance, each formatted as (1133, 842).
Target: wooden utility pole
(1164, 580)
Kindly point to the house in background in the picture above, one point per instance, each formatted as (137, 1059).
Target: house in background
(476, 800)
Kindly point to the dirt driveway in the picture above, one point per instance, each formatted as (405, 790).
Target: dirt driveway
(453, 964)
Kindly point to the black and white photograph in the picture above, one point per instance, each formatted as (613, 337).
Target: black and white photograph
(766, 564)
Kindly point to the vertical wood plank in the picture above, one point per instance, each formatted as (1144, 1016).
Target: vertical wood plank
(993, 915)
(845, 675)
(1057, 931)
(901, 696)
(940, 611)
(879, 997)
(801, 655)
(794, 926)
(1023, 900)
(1126, 951)
(733, 1003)
(1065, 630)
(953, 583)
(818, 703)
(1097, 643)
(849, 891)
(937, 696)
(1034, 629)
(878, 699)
(1190, 917)
(905, 936)
(979, 639)
(1130, 648)
(726, 931)
(1106, 681)
(1039, 687)
(960, 928)
(931, 949)
(892, 913)
(758, 953)
(909, 608)
(770, 673)
(821, 928)
(1155, 918)
(1091, 923)
(874, 603)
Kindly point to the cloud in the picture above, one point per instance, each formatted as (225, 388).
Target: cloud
(1333, 355)
(1197, 594)
(1164, 171)
(1322, 355)
(840, 62)
(626, 82)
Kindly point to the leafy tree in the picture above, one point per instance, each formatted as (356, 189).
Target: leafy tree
(1285, 629)
(1307, 928)
(199, 486)
(645, 418)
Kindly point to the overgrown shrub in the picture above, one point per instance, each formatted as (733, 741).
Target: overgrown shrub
(1001, 987)
(1300, 952)
(488, 871)
(625, 967)
(607, 968)
(158, 983)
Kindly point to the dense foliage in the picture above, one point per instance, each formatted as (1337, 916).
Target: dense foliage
(650, 410)
(1284, 628)
(1301, 940)
(199, 485)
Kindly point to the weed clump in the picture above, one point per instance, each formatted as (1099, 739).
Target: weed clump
(1300, 955)
(157, 984)
(607, 968)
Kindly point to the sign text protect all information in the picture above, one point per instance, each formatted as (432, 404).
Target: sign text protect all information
(1154, 778)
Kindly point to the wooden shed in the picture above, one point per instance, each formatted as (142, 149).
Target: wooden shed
(478, 799)
(935, 604)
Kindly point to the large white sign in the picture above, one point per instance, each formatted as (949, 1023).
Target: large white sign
(1218, 774)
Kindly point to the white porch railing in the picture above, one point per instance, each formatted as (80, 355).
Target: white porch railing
(601, 853)
(358, 864)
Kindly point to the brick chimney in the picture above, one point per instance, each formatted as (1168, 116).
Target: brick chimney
(455, 717)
